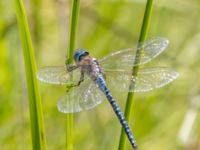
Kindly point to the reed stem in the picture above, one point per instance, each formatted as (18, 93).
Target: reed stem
(72, 42)
(73, 29)
(129, 101)
(35, 106)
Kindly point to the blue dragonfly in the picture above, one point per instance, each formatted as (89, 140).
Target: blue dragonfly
(89, 79)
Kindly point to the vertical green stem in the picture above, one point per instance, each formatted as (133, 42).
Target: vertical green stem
(72, 41)
(73, 29)
(36, 116)
(129, 102)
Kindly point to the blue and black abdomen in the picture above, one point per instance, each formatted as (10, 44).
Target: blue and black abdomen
(102, 85)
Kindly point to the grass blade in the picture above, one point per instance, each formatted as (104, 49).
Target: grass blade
(129, 101)
(36, 116)
(72, 42)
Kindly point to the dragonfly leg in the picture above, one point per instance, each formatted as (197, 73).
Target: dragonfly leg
(81, 78)
(80, 81)
(70, 67)
(72, 86)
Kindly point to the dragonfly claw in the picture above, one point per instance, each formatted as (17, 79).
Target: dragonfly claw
(69, 87)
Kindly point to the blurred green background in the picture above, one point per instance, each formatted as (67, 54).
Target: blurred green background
(164, 119)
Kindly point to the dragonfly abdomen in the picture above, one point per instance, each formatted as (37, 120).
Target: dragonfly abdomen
(102, 85)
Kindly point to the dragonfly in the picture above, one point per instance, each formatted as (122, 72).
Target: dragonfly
(90, 79)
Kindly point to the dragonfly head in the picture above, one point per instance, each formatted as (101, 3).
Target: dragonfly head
(79, 54)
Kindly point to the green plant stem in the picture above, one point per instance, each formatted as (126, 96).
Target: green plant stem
(73, 29)
(35, 106)
(72, 40)
(129, 101)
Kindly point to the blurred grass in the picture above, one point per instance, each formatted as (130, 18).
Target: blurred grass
(158, 115)
(35, 6)
(36, 114)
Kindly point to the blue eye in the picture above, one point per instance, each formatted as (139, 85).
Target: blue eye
(79, 53)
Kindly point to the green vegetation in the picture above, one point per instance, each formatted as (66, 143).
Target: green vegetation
(36, 116)
(104, 26)
(72, 38)
(142, 38)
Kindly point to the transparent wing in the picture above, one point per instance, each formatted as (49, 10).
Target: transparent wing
(147, 79)
(84, 97)
(127, 58)
(58, 75)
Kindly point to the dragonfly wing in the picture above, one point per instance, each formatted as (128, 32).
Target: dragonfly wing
(84, 97)
(58, 75)
(147, 79)
(127, 58)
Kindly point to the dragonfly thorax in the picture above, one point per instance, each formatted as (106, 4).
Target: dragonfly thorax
(88, 64)
(91, 67)
(84, 60)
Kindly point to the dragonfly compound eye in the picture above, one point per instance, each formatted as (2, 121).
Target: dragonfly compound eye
(78, 53)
